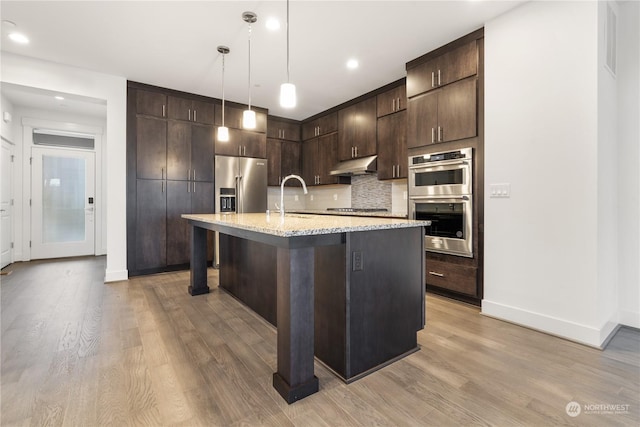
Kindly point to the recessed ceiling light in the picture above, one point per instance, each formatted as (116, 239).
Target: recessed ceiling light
(272, 24)
(59, 98)
(352, 64)
(19, 38)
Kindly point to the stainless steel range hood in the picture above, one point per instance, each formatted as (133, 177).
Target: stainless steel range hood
(359, 166)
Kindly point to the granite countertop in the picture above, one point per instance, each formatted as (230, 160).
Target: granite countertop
(302, 224)
(365, 214)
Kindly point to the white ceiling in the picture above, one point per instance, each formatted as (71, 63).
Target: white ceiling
(173, 43)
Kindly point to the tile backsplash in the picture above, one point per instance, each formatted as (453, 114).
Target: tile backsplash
(365, 191)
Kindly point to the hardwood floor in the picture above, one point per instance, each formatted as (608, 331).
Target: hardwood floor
(78, 352)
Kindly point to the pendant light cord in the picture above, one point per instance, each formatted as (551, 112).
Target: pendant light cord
(249, 66)
(223, 90)
(288, 68)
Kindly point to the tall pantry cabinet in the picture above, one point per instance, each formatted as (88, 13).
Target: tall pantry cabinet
(170, 155)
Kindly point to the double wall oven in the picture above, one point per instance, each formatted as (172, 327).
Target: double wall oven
(441, 191)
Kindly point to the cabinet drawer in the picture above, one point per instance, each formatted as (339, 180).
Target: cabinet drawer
(454, 277)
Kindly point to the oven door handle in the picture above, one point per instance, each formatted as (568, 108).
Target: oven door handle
(432, 166)
(437, 198)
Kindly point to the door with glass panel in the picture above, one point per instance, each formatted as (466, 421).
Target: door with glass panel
(62, 203)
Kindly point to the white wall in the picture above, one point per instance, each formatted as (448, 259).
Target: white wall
(56, 77)
(629, 159)
(6, 128)
(549, 259)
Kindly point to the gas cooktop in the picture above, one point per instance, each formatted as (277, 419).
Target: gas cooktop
(357, 209)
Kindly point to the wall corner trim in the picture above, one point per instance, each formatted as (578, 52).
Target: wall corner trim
(116, 276)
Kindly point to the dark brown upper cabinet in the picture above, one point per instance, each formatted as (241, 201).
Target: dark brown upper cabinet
(320, 126)
(448, 114)
(357, 130)
(449, 67)
(191, 110)
(233, 118)
(392, 101)
(319, 155)
(392, 146)
(283, 130)
(151, 103)
(243, 143)
(284, 159)
(151, 148)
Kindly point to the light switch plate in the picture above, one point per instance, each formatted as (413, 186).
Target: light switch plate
(500, 191)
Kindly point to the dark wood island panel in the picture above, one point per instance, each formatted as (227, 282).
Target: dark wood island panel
(368, 305)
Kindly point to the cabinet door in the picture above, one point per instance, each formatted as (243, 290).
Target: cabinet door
(422, 119)
(328, 157)
(232, 117)
(151, 225)
(309, 161)
(253, 144)
(151, 103)
(346, 132)
(458, 64)
(328, 123)
(290, 161)
(365, 121)
(392, 146)
(283, 130)
(203, 112)
(392, 101)
(178, 150)
(232, 146)
(457, 111)
(151, 155)
(202, 195)
(202, 149)
(178, 203)
(422, 78)
(273, 165)
(180, 108)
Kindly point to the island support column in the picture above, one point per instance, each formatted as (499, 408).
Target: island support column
(294, 379)
(198, 278)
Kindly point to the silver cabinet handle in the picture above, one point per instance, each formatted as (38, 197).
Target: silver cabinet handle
(244, 150)
(194, 174)
(433, 79)
(188, 187)
(194, 186)
(161, 173)
(352, 151)
(393, 173)
(356, 151)
(239, 151)
(195, 115)
(393, 105)
(439, 134)
(439, 82)
(188, 174)
(189, 114)
(398, 172)
(433, 273)
(163, 110)
(433, 135)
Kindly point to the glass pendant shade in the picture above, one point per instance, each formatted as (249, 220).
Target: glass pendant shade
(288, 95)
(223, 134)
(249, 119)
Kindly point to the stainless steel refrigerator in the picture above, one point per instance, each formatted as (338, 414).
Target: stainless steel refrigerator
(240, 187)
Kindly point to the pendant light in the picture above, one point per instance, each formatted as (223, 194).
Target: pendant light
(223, 131)
(288, 89)
(248, 115)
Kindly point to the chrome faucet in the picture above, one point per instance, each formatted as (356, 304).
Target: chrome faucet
(304, 187)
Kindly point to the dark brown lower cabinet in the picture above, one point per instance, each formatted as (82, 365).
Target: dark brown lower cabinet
(151, 225)
(449, 277)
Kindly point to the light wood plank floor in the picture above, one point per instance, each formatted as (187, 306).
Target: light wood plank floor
(79, 352)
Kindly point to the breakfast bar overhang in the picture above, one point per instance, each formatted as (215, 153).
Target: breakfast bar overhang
(296, 239)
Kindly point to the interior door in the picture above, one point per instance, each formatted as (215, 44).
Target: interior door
(5, 203)
(62, 203)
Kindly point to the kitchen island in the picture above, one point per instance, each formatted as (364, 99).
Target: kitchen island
(363, 278)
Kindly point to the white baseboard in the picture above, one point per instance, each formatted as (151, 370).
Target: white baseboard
(630, 318)
(588, 335)
(116, 276)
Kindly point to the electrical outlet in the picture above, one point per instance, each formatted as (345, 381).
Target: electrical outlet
(357, 261)
(311, 197)
(335, 197)
(404, 195)
(296, 198)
